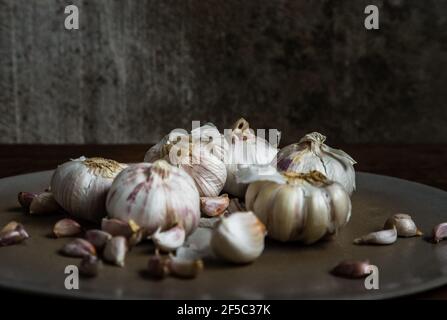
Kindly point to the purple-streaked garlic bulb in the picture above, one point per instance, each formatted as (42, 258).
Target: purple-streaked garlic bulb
(80, 186)
(155, 195)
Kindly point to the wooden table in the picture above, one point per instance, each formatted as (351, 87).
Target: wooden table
(420, 163)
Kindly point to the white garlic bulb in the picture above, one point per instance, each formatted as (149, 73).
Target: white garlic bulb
(239, 238)
(80, 186)
(155, 195)
(245, 149)
(310, 153)
(200, 154)
(304, 207)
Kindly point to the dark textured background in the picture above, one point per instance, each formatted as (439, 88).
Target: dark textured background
(137, 69)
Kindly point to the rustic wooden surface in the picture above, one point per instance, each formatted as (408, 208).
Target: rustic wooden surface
(137, 69)
(420, 163)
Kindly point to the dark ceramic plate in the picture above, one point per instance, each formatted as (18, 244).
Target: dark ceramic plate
(284, 271)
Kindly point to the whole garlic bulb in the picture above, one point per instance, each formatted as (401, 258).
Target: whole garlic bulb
(239, 238)
(245, 149)
(305, 207)
(200, 154)
(310, 153)
(80, 186)
(155, 195)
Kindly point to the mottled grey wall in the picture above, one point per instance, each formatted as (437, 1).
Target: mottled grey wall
(137, 69)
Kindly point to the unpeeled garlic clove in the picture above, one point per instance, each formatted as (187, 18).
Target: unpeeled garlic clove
(13, 233)
(214, 206)
(158, 266)
(404, 224)
(383, 237)
(66, 228)
(90, 266)
(25, 199)
(352, 269)
(439, 232)
(184, 268)
(78, 248)
(11, 226)
(115, 251)
(169, 240)
(44, 203)
(117, 227)
(239, 238)
(98, 238)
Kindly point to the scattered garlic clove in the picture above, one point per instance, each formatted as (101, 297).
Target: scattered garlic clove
(13, 233)
(25, 199)
(185, 268)
(44, 203)
(214, 206)
(169, 240)
(11, 226)
(78, 248)
(404, 224)
(383, 237)
(440, 232)
(66, 228)
(239, 238)
(158, 266)
(98, 238)
(352, 269)
(117, 227)
(136, 238)
(90, 266)
(115, 250)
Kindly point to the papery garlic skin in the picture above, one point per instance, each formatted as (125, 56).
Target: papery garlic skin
(245, 148)
(239, 238)
(305, 208)
(155, 196)
(310, 153)
(201, 154)
(80, 186)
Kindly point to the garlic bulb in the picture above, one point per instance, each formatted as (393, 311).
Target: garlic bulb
(303, 207)
(80, 186)
(155, 196)
(200, 154)
(310, 153)
(239, 238)
(245, 149)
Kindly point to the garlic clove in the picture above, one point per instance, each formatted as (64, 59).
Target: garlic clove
(440, 232)
(214, 206)
(136, 238)
(158, 266)
(239, 238)
(117, 227)
(115, 251)
(12, 233)
(44, 203)
(383, 237)
(404, 225)
(11, 226)
(169, 240)
(78, 248)
(184, 268)
(98, 238)
(66, 228)
(352, 269)
(90, 266)
(25, 199)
